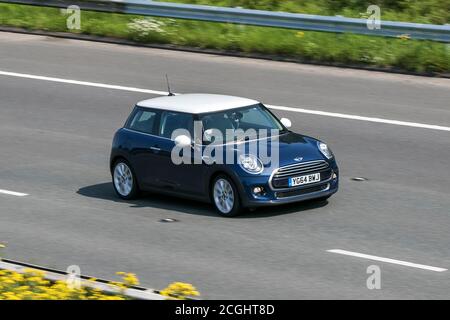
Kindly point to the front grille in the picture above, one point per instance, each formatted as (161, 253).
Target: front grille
(298, 192)
(294, 170)
(281, 178)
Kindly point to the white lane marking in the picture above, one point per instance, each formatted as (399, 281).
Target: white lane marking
(403, 263)
(361, 118)
(81, 83)
(13, 193)
(290, 109)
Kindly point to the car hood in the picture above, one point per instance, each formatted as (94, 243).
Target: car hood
(293, 148)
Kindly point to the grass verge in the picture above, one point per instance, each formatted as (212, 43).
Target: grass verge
(402, 54)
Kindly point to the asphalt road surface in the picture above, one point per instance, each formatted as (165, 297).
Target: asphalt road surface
(55, 140)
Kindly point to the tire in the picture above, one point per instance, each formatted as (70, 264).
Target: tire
(124, 180)
(227, 204)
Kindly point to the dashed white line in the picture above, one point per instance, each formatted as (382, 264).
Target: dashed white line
(388, 260)
(283, 108)
(13, 193)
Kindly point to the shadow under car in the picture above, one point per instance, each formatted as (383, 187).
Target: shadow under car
(105, 191)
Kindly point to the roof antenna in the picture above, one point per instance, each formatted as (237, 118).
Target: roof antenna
(168, 86)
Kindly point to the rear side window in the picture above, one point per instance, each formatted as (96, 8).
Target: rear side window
(143, 121)
(171, 121)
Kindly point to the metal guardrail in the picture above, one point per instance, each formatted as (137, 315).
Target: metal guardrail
(253, 17)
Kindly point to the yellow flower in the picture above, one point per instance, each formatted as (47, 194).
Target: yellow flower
(404, 36)
(23, 288)
(34, 286)
(300, 34)
(180, 290)
(130, 279)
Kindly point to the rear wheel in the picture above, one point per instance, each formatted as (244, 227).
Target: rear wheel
(124, 180)
(225, 197)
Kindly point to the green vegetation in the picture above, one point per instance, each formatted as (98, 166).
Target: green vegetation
(426, 11)
(345, 49)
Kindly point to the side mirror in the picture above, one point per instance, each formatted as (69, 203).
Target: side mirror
(286, 122)
(183, 141)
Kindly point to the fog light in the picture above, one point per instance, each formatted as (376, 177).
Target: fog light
(334, 176)
(258, 190)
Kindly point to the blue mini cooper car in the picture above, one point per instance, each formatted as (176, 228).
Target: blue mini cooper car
(178, 145)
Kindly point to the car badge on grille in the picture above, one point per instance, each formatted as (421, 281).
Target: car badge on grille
(298, 159)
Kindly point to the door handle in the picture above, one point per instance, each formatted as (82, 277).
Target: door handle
(155, 148)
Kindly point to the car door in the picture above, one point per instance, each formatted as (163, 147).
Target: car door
(183, 177)
(143, 144)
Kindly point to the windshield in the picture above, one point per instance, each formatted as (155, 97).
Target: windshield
(255, 117)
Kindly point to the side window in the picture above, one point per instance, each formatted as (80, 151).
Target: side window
(143, 121)
(171, 121)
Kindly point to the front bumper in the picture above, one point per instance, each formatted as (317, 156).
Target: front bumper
(276, 196)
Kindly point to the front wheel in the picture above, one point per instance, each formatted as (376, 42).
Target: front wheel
(124, 180)
(225, 197)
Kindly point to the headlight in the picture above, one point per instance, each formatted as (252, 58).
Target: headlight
(325, 150)
(251, 164)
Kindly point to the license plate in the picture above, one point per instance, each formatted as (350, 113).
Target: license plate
(298, 181)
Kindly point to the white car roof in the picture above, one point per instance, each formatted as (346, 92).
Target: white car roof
(197, 103)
